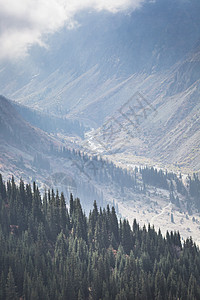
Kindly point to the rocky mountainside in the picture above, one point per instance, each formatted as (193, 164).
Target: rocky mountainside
(160, 117)
(90, 63)
(89, 73)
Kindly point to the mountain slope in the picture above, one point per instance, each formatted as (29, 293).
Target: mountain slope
(15, 131)
(50, 123)
(84, 64)
(162, 121)
(89, 74)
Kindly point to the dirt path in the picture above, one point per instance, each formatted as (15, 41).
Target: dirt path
(161, 213)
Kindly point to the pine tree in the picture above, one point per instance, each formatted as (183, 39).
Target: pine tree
(10, 287)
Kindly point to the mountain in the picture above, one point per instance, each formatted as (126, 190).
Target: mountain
(132, 84)
(88, 63)
(107, 112)
(164, 123)
(87, 74)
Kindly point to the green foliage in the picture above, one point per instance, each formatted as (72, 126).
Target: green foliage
(156, 178)
(194, 190)
(48, 253)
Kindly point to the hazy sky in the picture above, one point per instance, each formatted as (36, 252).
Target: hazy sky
(27, 22)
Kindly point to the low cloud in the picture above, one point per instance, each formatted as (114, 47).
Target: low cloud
(24, 23)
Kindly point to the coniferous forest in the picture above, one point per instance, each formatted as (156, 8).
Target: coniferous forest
(50, 252)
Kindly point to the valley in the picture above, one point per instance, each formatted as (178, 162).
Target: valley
(89, 175)
(100, 150)
(124, 91)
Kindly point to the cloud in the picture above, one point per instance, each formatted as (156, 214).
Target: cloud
(24, 23)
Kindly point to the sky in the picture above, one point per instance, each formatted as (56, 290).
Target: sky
(24, 23)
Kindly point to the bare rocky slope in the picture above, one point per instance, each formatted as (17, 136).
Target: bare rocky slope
(89, 73)
(161, 117)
